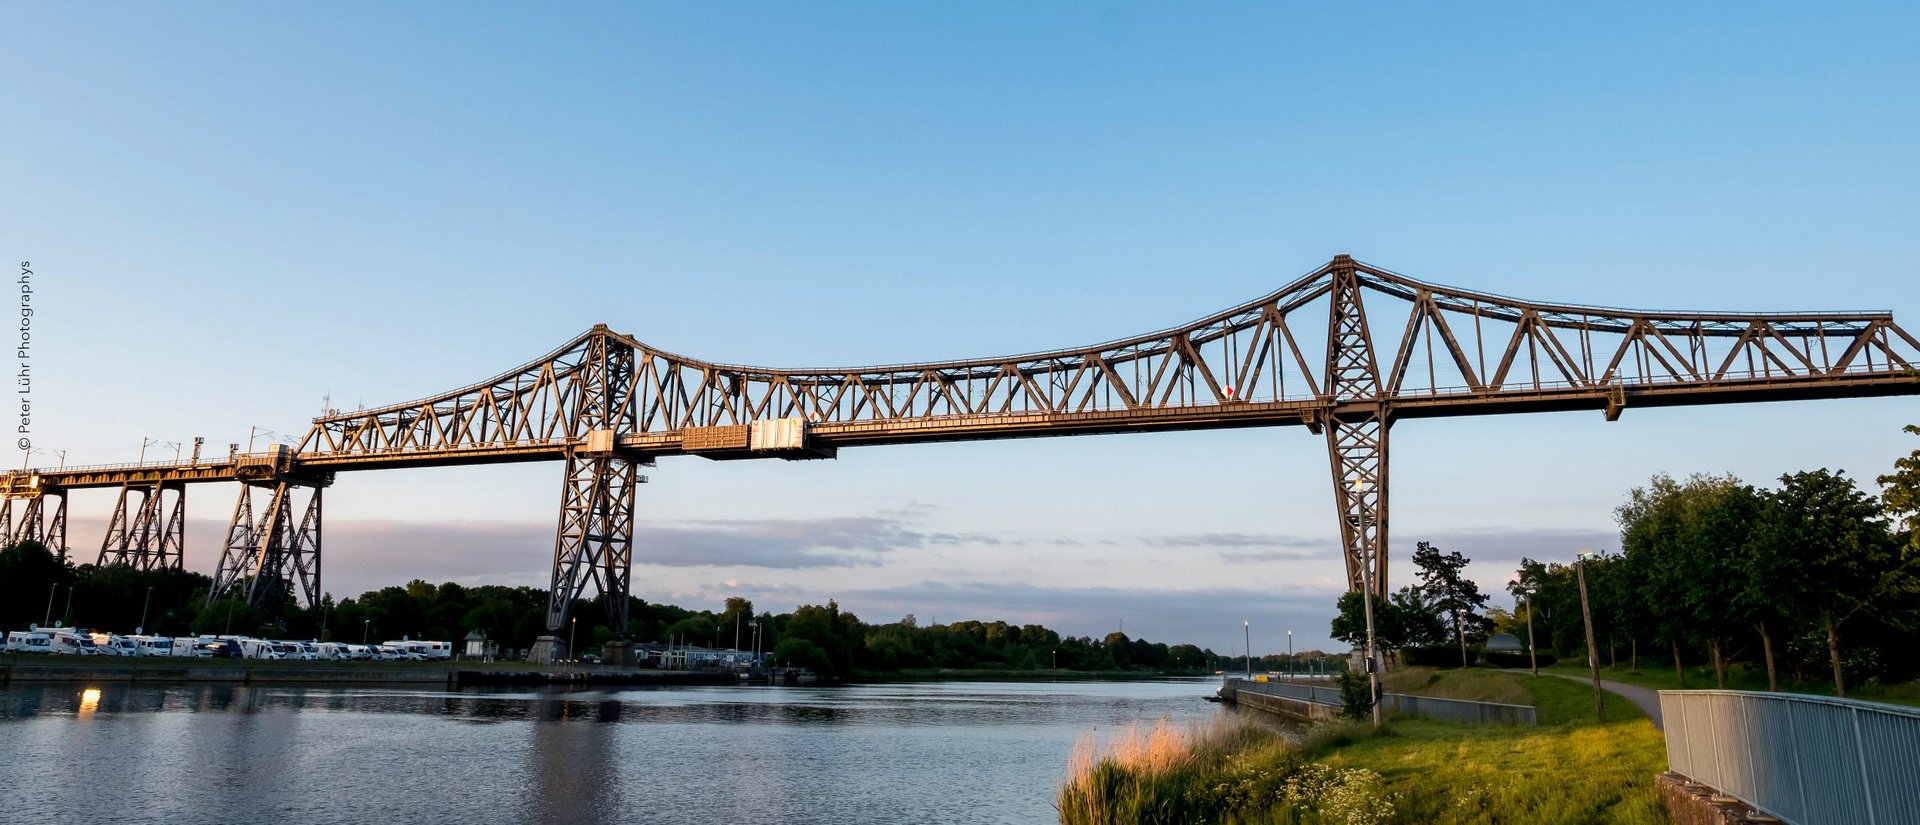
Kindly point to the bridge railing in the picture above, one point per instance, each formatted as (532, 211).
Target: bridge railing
(1808, 760)
(1452, 710)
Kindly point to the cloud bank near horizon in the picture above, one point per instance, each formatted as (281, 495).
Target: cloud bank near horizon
(887, 565)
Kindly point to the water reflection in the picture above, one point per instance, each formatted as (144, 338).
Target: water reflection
(941, 752)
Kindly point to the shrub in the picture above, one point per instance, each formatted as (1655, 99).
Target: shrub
(1356, 696)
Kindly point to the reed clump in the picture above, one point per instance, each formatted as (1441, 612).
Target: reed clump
(1230, 771)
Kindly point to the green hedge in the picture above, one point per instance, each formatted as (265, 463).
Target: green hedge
(1502, 658)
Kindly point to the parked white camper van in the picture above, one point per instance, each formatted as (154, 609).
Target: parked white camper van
(29, 641)
(66, 641)
(152, 645)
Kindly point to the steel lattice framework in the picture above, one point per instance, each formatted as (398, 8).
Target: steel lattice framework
(1393, 347)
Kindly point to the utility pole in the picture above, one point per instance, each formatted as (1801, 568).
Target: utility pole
(1533, 657)
(1593, 652)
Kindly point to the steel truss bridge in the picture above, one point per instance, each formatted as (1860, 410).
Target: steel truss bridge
(1344, 351)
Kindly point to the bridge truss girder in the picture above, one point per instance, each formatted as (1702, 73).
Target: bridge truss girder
(267, 551)
(148, 527)
(605, 401)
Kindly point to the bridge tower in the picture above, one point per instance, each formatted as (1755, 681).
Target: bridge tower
(1356, 418)
(593, 544)
(148, 529)
(267, 551)
(35, 523)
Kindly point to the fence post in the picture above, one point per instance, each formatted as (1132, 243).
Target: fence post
(1866, 779)
(1799, 773)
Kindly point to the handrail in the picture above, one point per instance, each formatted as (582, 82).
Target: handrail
(1807, 760)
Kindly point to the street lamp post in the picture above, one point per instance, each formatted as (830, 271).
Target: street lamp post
(1289, 655)
(1366, 599)
(143, 612)
(573, 630)
(1533, 657)
(1593, 651)
(1246, 628)
(365, 626)
(51, 590)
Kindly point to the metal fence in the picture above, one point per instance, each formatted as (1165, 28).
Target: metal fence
(1808, 760)
(1453, 710)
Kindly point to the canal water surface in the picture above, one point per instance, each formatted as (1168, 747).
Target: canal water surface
(936, 752)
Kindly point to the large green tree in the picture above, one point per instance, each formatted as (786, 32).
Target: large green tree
(1847, 562)
(1901, 492)
(1449, 593)
(1684, 539)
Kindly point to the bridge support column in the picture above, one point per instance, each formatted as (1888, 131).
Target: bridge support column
(148, 529)
(593, 545)
(1358, 449)
(1356, 419)
(268, 550)
(35, 523)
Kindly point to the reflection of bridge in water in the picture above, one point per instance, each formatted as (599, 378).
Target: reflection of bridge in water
(606, 405)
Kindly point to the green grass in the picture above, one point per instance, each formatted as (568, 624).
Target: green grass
(1740, 677)
(1568, 769)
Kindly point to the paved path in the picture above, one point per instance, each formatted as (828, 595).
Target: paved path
(1645, 698)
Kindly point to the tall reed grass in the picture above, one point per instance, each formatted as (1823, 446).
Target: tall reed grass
(1228, 771)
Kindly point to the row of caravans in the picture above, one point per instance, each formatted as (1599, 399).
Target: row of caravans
(77, 642)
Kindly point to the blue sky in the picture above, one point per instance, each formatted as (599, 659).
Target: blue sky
(237, 211)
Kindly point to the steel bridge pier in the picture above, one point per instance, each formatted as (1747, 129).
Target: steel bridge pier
(148, 529)
(593, 545)
(267, 550)
(35, 523)
(1356, 429)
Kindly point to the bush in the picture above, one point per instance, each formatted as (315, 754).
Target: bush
(1502, 658)
(1356, 696)
(1434, 656)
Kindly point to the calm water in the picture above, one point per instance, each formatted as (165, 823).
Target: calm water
(961, 752)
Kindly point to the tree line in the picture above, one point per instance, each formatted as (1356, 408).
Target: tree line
(36, 587)
(1814, 576)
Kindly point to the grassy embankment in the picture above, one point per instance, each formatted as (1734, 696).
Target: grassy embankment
(1568, 769)
(1739, 677)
